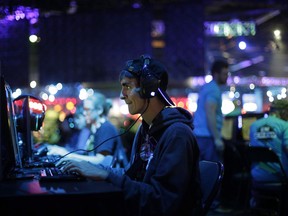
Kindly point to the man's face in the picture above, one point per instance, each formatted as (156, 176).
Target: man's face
(80, 121)
(130, 94)
(89, 112)
(223, 76)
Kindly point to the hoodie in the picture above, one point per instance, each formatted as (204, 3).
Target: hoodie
(170, 180)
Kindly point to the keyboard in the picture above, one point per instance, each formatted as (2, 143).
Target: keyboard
(55, 174)
(44, 161)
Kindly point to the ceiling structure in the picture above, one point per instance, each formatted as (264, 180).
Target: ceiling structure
(215, 9)
(265, 56)
(241, 9)
(263, 12)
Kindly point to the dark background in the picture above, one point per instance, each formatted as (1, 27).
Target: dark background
(93, 43)
(93, 46)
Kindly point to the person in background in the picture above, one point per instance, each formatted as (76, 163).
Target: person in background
(81, 132)
(208, 122)
(66, 130)
(103, 140)
(271, 132)
(162, 177)
(208, 117)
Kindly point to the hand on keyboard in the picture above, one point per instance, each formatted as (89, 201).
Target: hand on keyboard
(61, 163)
(56, 174)
(56, 150)
(84, 168)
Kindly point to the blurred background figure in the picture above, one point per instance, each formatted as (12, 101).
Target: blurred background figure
(79, 130)
(271, 132)
(208, 118)
(102, 143)
(208, 121)
(66, 129)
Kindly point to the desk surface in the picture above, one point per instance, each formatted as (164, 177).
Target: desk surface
(83, 197)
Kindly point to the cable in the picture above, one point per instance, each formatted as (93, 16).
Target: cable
(121, 134)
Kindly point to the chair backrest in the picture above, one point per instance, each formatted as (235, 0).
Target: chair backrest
(264, 154)
(211, 176)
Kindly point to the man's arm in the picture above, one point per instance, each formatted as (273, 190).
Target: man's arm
(210, 109)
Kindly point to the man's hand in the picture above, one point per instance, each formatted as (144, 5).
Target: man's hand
(56, 150)
(83, 168)
(219, 145)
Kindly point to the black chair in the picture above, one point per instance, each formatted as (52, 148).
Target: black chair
(211, 176)
(268, 196)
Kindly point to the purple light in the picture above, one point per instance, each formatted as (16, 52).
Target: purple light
(236, 79)
(136, 5)
(22, 12)
(33, 21)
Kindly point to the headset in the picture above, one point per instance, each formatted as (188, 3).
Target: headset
(36, 119)
(149, 84)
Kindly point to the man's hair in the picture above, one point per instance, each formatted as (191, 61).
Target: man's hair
(147, 80)
(217, 66)
(280, 108)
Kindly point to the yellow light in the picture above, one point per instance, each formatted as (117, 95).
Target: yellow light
(62, 116)
(57, 108)
(70, 105)
(180, 104)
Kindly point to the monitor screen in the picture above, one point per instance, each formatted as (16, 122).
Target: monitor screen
(9, 149)
(245, 122)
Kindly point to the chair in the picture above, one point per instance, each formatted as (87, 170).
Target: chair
(211, 176)
(268, 193)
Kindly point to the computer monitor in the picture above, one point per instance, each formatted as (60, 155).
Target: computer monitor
(10, 155)
(245, 121)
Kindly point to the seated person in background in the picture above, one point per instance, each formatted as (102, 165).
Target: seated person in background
(81, 132)
(66, 130)
(162, 177)
(103, 139)
(271, 132)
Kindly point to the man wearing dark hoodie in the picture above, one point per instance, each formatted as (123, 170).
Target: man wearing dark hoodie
(162, 177)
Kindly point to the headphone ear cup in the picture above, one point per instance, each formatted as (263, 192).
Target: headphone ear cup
(36, 119)
(149, 85)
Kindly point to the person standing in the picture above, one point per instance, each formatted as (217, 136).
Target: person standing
(208, 121)
(162, 177)
(208, 117)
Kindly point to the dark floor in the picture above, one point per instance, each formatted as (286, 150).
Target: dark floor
(239, 206)
(238, 212)
(235, 189)
(235, 196)
(232, 209)
(233, 212)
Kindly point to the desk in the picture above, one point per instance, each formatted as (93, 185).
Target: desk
(59, 198)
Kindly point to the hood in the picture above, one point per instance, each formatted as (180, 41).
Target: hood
(169, 116)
